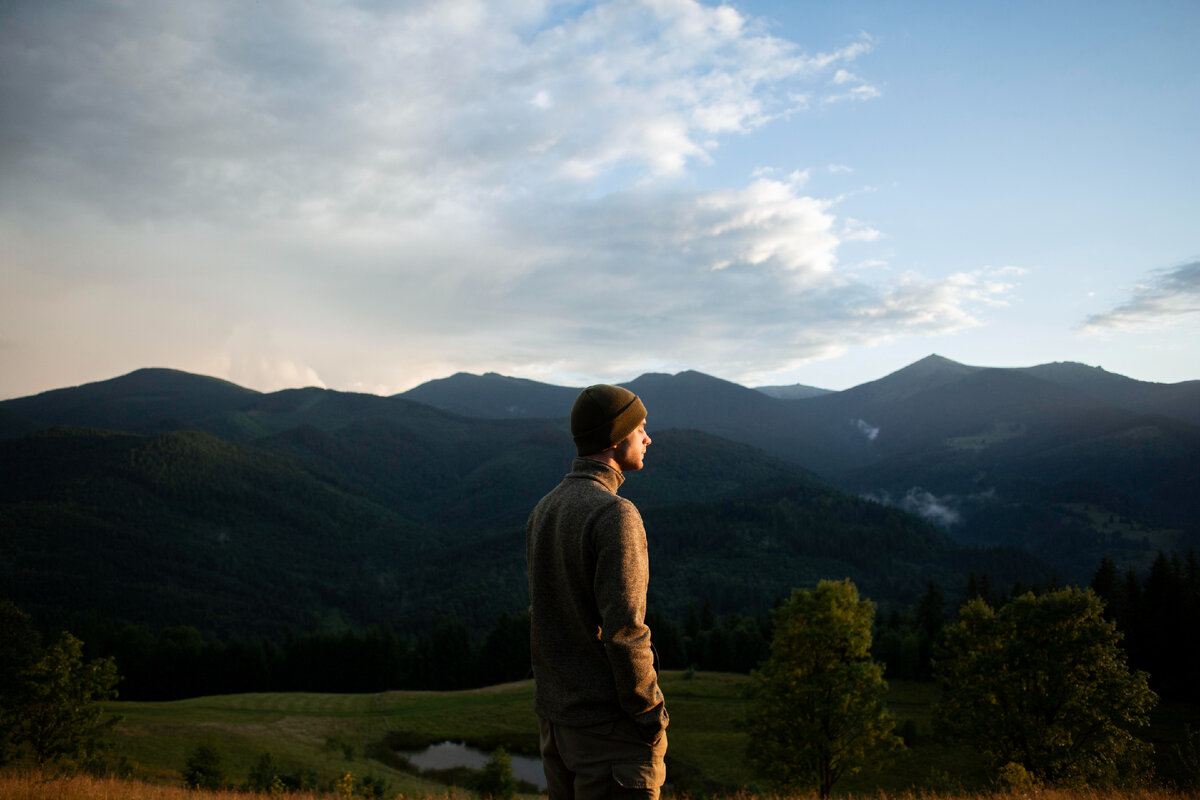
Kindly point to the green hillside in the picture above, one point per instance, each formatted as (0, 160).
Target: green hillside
(185, 527)
(1002, 457)
(707, 742)
(334, 734)
(377, 524)
(1069, 489)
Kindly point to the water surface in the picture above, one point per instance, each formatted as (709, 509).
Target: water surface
(447, 755)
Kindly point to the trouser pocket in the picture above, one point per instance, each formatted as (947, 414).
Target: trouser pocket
(639, 774)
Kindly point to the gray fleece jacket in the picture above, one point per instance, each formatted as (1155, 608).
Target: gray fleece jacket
(588, 574)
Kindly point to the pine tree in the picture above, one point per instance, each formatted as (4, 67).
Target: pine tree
(204, 768)
(1106, 583)
(497, 781)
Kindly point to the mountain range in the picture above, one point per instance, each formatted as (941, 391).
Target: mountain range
(162, 497)
(1064, 460)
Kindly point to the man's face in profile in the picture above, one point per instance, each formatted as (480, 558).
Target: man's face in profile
(630, 452)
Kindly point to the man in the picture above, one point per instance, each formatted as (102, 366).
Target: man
(601, 714)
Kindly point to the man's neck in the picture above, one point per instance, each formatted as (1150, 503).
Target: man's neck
(606, 459)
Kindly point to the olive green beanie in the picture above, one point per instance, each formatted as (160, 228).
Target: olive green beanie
(604, 415)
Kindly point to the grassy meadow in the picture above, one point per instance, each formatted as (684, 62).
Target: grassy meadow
(331, 735)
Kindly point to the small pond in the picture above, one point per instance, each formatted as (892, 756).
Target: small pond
(456, 754)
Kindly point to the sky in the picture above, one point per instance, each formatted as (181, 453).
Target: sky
(368, 195)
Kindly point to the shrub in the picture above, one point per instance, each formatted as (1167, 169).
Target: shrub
(204, 769)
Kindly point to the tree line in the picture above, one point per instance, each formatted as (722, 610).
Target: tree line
(1158, 616)
(181, 661)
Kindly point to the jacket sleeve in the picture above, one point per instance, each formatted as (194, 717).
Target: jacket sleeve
(621, 579)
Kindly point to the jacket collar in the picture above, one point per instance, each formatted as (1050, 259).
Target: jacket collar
(608, 477)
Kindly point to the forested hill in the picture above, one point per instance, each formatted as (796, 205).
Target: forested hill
(1067, 461)
(390, 520)
(183, 527)
(174, 494)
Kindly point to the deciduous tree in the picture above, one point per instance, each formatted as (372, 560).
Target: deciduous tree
(818, 711)
(1042, 682)
(57, 700)
(19, 650)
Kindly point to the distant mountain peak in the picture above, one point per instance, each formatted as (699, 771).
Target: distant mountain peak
(493, 395)
(933, 366)
(794, 391)
(151, 379)
(935, 361)
(144, 397)
(687, 377)
(1076, 368)
(931, 371)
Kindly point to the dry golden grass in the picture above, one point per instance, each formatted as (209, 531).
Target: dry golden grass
(79, 787)
(31, 786)
(1153, 793)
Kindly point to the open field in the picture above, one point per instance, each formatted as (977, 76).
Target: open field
(707, 743)
(331, 735)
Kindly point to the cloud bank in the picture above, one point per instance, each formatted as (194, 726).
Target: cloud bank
(1170, 296)
(365, 196)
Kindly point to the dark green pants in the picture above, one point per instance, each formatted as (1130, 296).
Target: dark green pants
(609, 761)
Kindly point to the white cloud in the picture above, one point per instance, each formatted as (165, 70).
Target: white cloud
(336, 114)
(938, 510)
(851, 86)
(854, 230)
(861, 92)
(254, 357)
(370, 195)
(1171, 296)
(945, 510)
(915, 304)
(867, 429)
(941, 511)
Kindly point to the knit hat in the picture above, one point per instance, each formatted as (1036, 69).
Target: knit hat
(604, 415)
